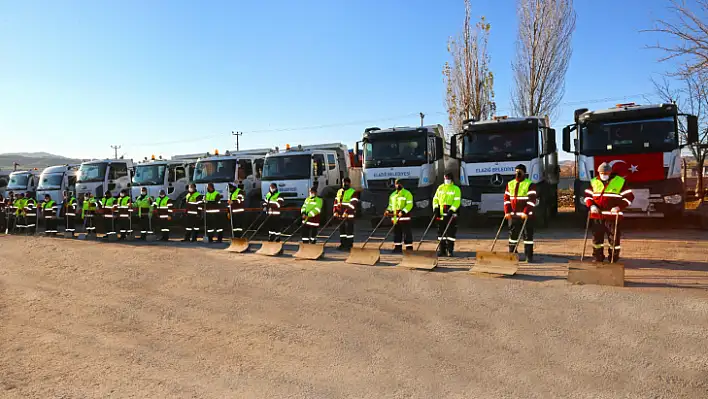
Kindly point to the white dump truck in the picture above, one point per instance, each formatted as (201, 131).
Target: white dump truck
(172, 175)
(230, 168)
(54, 180)
(23, 181)
(101, 175)
(416, 155)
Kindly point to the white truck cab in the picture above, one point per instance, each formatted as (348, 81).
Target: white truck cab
(99, 176)
(489, 152)
(230, 168)
(54, 180)
(416, 155)
(296, 169)
(23, 181)
(172, 175)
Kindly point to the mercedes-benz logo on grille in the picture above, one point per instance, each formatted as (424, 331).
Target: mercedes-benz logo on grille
(496, 180)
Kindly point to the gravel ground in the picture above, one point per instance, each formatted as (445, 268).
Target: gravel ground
(90, 320)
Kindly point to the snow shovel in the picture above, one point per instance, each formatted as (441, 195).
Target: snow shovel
(273, 248)
(499, 262)
(315, 251)
(113, 237)
(596, 273)
(67, 234)
(129, 236)
(369, 256)
(425, 259)
(240, 245)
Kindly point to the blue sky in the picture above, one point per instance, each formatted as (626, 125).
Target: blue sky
(174, 77)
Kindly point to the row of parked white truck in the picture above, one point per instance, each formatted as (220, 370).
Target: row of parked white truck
(482, 156)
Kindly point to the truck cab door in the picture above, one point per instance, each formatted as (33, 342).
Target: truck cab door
(333, 175)
(319, 171)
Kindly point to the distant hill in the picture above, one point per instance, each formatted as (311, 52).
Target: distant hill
(31, 160)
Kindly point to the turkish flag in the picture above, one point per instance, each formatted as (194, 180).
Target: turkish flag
(635, 167)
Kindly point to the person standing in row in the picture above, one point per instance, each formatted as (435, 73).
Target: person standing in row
(163, 213)
(108, 209)
(20, 219)
(125, 204)
(446, 202)
(69, 209)
(271, 206)
(3, 214)
(606, 198)
(49, 214)
(519, 203)
(214, 222)
(30, 206)
(236, 206)
(195, 203)
(88, 213)
(345, 204)
(143, 202)
(310, 212)
(400, 205)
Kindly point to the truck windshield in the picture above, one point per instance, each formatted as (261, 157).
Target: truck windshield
(50, 181)
(215, 171)
(287, 167)
(90, 172)
(396, 151)
(18, 181)
(500, 146)
(645, 135)
(149, 175)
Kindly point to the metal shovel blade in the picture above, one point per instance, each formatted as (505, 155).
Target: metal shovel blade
(67, 234)
(112, 237)
(419, 260)
(310, 251)
(364, 256)
(270, 248)
(238, 245)
(596, 273)
(130, 236)
(496, 263)
(151, 238)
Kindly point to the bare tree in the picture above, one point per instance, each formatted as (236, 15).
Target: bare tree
(469, 81)
(543, 51)
(690, 93)
(690, 33)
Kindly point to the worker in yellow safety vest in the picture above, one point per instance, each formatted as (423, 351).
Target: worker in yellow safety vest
(446, 203)
(400, 205)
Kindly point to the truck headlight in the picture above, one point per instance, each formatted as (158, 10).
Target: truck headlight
(422, 204)
(673, 199)
(365, 204)
(466, 202)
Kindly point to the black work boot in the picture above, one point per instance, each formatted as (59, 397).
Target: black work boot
(598, 255)
(186, 236)
(512, 248)
(528, 251)
(397, 249)
(450, 249)
(220, 237)
(194, 235)
(616, 257)
(443, 248)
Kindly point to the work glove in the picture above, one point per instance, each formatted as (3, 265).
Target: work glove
(594, 209)
(615, 210)
(304, 216)
(507, 216)
(387, 213)
(524, 216)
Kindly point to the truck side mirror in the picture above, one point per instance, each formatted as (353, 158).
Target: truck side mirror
(566, 139)
(551, 141)
(453, 147)
(439, 148)
(692, 131)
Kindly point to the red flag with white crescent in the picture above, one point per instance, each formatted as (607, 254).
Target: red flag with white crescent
(635, 167)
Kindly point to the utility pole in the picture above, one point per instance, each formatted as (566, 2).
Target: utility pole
(115, 151)
(236, 134)
(422, 116)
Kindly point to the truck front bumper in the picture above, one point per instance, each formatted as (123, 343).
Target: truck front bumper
(656, 199)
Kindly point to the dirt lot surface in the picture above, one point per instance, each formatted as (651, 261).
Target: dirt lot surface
(93, 320)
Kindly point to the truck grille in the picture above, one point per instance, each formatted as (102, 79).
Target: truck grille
(385, 185)
(486, 181)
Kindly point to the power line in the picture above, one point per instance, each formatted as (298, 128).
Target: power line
(368, 121)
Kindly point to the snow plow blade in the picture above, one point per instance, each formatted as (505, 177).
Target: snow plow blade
(596, 273)
(67, 234)
(364, 256)
(310, 251)
(427, 260)
(496, 263)
(238, 245)
(270, 248)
